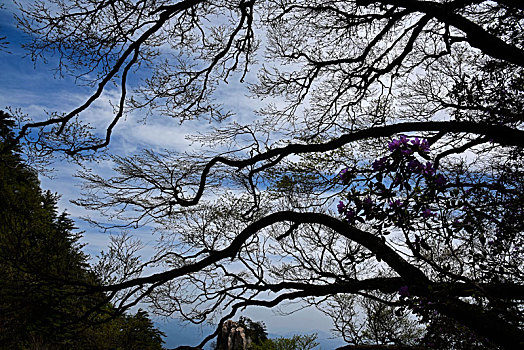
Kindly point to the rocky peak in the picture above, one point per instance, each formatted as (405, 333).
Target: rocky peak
(232, 337)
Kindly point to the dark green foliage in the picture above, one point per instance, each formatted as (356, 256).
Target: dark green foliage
(43, 270)
(444, 333)
(38, 252)
(127, 332)
(297, 342)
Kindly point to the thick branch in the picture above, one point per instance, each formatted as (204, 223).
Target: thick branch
(476, 35)
(498, 133)
(408, 272)
(508, 291)
(482, 322)
(519, 4)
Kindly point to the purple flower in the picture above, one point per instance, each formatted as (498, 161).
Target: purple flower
(428, 213)
(394, 145)
(395, 204)
(368, 204)
(398, 143)
(342, 173)
(416, 142)
(440, 181)
(415, 166)
(424, 146)
(398, 180)
(350, 215)
(380, 164)
(428, 169)
(403, 143)
(341, 207)
(404, 291)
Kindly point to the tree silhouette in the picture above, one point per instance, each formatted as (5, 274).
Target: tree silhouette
(432, 218)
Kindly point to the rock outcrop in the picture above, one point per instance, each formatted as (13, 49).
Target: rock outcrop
(232, 337)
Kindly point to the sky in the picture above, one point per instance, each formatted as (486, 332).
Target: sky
(35, 89)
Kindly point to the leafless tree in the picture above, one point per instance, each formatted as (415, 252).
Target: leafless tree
(251, 221)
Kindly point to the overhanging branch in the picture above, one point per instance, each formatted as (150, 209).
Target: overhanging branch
(476, 36)
(501, 134)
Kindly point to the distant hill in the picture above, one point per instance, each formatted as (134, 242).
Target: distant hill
(183, 334)
(324, 339)
(179, 334)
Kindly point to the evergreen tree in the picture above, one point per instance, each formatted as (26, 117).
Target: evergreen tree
(43, 268)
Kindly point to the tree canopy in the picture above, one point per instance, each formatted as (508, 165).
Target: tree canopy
(386, 164)
(42, 304)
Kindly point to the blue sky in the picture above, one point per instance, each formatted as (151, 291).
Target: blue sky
(35, 89)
